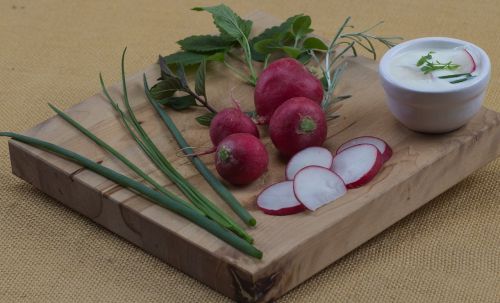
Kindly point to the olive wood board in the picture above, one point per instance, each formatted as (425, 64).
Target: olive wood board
(295, 247)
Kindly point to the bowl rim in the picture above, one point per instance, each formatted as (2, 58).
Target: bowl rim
(391, 53)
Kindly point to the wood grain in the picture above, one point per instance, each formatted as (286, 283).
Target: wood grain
(295, 247)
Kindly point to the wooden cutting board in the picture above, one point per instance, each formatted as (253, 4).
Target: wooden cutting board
(295, 247)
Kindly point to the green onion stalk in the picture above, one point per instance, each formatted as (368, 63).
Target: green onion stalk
(221, 190)
(169, 202)
(149, 148)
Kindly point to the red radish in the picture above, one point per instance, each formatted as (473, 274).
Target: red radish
(279, 200)
(380, 144)
(296, 124)
(315, 186)
(318, 156)
(281, 80)
(358, 164)
(231, 121)
(241, 158)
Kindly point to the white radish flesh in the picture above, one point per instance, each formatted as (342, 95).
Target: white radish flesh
(358, 164)
(317, 156)
(279, 200)
(315, 186)
(380, 144)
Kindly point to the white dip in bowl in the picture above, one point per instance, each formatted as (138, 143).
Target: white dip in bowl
(435, 84)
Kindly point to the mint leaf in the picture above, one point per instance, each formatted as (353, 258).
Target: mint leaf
(266, 46)
(205, 119)
(292, 51)
(204, 43)
(191, 58)
(301, 26)
(165, 88)
(314, 44)
(276, 33)
(184, 58)
(179, 103)
(199, 85)
(228, 22)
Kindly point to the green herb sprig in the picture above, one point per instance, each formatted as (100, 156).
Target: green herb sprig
(331, 66)
(463, 77)
(170, 83)
(428, 66)
(152, 195)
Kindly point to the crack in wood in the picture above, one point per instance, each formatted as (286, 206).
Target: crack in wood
(250, 291)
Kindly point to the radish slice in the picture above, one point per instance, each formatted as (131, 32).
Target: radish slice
(315, 186)
(358, 164)
(317, 156)
(474, 65)
(279, 200)
(380, 144)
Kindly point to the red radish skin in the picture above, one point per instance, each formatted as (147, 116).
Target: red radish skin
(358, 164)
(474, 66)
(241, 158)
(317, 156)
(315, 186)
(231, 121)
(380, 144)
(281, 80)
(279, 200)
(297, 124)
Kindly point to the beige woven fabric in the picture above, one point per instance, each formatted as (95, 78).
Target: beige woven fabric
(52, 51)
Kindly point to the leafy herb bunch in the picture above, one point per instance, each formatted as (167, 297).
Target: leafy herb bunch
(291, 38)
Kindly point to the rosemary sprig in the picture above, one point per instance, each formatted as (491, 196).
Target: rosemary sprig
(331, 67)
(150, 194)
(149, 148)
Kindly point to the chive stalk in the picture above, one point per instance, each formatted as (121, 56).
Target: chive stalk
(154, 196)
(149, 148)
(221, 190)
(118, 155)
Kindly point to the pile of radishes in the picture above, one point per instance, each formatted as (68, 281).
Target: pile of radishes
(287, 98)
(315, 177)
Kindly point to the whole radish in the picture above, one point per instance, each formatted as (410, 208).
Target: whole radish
(281, 80)
(231, 121)
(241, 158)
(296, 124)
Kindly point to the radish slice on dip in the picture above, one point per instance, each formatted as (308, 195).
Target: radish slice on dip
(317, 156)
(279, 200)
(358, 164)
(315, 186)
(380, 144)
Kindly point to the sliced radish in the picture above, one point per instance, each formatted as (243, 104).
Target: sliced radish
(474, 65)
(380, 144)
(279, 200)
(315, 186)
(317, 156)
(460, 56)
(358, 164)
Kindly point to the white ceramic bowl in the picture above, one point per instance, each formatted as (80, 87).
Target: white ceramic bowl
(435, 111)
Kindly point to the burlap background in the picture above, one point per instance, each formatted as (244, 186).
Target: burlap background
(52, 51)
